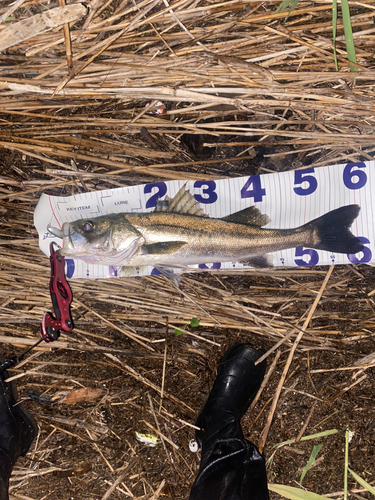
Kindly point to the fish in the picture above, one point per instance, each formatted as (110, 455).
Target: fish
(178, 234)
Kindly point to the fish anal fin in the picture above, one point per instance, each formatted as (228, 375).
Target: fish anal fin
(259, 261)
(182, 203)
(249, 216)
(126, 271)
(163, 248)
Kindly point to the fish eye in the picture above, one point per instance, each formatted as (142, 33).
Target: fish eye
(88, 226)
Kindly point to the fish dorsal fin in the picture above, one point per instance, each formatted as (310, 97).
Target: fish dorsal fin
(250, 216)
(182, 203)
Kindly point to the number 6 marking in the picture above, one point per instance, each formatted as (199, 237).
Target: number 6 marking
(367, 254)
(349, 174)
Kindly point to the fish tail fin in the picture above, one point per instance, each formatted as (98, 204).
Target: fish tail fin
(332, 233)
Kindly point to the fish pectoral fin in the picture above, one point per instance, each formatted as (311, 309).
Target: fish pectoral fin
(163, 248)
(249, 216)
(259, 261)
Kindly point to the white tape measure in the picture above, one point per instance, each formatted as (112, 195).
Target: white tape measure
(290, 199)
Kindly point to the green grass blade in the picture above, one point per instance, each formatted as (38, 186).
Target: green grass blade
(362, 482)
(311, 460)
(304, 438)
(291, 4)
(291, 8)
(309, 437)
(284, 5)
(334, 31)
(350, 49)
(294, 493)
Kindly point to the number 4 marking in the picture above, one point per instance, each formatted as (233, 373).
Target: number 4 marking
(257, 192)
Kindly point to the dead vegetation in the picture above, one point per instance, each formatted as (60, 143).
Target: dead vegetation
(188, 89)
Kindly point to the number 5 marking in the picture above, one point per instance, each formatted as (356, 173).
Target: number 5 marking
(300, 176)
(313, 254)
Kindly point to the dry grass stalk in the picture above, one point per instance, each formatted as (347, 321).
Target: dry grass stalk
(290, 357)
(119, 480)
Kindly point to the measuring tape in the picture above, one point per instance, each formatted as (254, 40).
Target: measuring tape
(290, 199)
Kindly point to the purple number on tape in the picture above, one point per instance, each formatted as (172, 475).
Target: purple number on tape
(353, 176)
(313, 254)
(161, 191)
(208, 191)
(215, 265)
(70, 267)
(367, 254)
(257, 192)
(301, 176)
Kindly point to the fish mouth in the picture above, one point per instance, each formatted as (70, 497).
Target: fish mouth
(71, 241)
(55, 231)
(75, 247)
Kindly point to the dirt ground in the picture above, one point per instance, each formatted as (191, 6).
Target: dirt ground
(83, 448)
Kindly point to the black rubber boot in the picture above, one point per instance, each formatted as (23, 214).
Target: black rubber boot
(231, 467)
(17, 431)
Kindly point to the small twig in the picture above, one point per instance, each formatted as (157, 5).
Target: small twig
(164, 367)
(68, 43)
(119, 480)
(304, 427)
(343, 391)
(266, 379)
(162, 435)
(11, 9)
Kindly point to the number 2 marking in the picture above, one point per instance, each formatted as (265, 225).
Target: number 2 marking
(161, 191)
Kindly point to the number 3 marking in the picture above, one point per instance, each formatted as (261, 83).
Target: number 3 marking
(209, 191)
